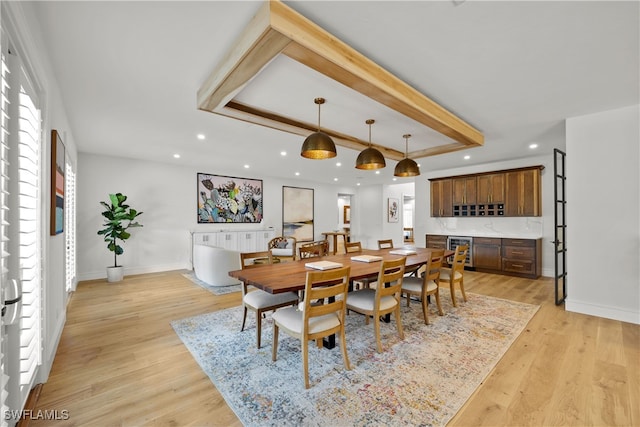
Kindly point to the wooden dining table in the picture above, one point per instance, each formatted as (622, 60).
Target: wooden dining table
(291, 276)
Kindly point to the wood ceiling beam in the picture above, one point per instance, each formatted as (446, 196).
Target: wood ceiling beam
(277, 29)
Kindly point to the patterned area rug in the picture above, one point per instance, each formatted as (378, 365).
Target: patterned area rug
(423, 380)
(217, 290)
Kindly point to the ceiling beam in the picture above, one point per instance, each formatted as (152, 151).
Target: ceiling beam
(277, 29)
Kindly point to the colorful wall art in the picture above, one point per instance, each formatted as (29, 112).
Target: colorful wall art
(227, 199)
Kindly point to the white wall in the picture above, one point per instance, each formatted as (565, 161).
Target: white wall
(525, 227)
(167, 195)
(603, 214)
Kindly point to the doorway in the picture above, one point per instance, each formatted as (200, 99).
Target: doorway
(345, 221)
(408, 215)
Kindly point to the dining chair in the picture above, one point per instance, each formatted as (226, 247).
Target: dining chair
(258, 300)
(385, 244)
(455, 274)
(427, 285)
(382, 300)
(314, 249)
(355, 247)
(283, 247)
(314, 322)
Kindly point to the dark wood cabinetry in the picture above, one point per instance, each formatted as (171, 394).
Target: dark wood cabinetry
(513, 257)
(523, 196)
(441, 202)
(436, 241)
(487, 253)
(513, 192)
(522, 257)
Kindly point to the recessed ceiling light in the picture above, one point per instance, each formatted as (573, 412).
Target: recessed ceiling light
(533, 146)
(377, 172)
(283, 153)
(335, 179)
(176, 156)
(358, 184)
(200, 136)
(467, 157)
(395, 179)
(338, 164)
(297, 173)
(246, 166)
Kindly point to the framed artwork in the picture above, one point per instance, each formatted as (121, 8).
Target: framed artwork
(57, 184)
(393, 210)
(297, 213)
(228, 199)
(346, 217)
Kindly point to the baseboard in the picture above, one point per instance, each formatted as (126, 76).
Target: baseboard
(93, 275)
(615, 313)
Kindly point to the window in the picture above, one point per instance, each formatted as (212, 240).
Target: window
(70, 226)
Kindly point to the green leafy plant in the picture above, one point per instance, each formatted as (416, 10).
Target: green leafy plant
(119, 217)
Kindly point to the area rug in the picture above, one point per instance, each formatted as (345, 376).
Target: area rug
(217, 290)
(423, 380)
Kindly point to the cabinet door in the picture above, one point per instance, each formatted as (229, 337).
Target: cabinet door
(464, 191)
(490, 188)
(441, 203)
(246, 241)
(227, 240)
(262, 239)
(436, 241)
(487, 253)
(523, 193)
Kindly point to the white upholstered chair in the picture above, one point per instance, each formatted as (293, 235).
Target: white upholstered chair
(283, 247)
(382, 300)
(316, 321)
(427, 285)
(258, 300)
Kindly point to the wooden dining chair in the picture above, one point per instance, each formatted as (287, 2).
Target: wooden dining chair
(314, 321)
(314, 249)
(382, 300)
(258, 300)
(356, 247)
(427, 285)
(455, 274)
(385, 244)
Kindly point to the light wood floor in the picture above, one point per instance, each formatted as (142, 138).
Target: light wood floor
(120, 363)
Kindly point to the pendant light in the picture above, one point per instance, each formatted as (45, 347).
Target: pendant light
(370, 158)
(406, 167)
(318, 145)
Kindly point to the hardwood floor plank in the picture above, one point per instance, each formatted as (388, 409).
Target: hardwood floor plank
(119, 362)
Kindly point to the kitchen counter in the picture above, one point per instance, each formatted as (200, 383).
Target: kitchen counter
(523, 235)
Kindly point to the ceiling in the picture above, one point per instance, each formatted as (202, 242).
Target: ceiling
(129, 73)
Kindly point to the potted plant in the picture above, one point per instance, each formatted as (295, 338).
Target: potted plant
(118, 218)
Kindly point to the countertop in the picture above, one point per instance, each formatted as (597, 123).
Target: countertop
(489, 235)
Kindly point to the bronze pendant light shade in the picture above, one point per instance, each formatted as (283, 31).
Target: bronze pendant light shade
(406, 167)
(318, 145)
(370, 158)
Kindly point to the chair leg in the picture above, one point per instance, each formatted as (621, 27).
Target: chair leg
(440, 311)
(244, 318)
(343, 347)
(376, 326)
(424, 310)
(305, 361)
(399, 322)
(258, 328)
(408, 298)
(452, 286)
(464, 295)
(274, 349)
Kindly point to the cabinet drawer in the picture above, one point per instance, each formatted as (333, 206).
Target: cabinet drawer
(518, 266)
(487, 241)
(436, 242)
(516, 252)
(519, 242)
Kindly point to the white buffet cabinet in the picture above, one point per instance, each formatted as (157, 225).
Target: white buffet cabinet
(237, 240)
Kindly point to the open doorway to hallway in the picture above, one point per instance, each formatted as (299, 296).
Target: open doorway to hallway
(344, 218)
(408, 218)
